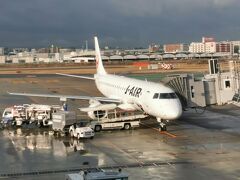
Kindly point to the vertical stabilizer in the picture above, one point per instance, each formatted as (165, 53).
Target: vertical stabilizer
(99, 64)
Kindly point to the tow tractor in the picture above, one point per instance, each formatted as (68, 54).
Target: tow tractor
(78, 131)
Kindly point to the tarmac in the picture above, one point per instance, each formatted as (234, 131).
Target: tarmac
(202, 144)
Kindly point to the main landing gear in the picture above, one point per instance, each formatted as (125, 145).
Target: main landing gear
(163, 126)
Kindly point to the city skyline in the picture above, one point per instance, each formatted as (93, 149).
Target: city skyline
(124, 24)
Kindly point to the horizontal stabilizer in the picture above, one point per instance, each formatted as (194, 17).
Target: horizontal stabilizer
(102, 107)
(76, 76)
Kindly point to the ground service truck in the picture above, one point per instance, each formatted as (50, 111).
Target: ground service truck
(39, 114)
(66, 122)
(118, 120)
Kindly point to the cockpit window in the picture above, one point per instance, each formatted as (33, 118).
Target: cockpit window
(168, 96)
(155, 96)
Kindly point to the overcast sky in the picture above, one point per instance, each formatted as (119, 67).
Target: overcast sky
(122, 23)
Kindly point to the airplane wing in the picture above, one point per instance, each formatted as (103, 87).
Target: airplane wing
(69, 75)
(65, 97)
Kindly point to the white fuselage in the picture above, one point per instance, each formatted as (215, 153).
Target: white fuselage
(136, 94)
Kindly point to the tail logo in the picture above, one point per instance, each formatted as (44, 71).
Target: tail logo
(97, 62)
(99, 65)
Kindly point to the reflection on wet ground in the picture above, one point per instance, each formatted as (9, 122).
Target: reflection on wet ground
(32, 149)
(36, 139)
(199, 146)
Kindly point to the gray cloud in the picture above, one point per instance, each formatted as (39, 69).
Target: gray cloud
(125, 23)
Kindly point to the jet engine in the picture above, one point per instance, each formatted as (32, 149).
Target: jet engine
(98, 114)
(97, 111)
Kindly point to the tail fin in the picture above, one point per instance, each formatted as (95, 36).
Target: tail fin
(99, 64)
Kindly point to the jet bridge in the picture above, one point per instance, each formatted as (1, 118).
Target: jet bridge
(189, 89)
(217, 87)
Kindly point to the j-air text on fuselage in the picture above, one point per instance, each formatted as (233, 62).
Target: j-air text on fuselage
(154, 99)
(133, 91)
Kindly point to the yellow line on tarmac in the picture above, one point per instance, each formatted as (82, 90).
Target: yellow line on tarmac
(161, 132)
(169, 134)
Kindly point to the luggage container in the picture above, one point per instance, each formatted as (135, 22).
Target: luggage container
(62, 120)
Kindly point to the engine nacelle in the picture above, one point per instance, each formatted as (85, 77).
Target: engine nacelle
(98, 114)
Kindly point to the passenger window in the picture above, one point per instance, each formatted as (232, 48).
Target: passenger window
(155, 96)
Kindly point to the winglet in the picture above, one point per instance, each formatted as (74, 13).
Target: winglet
(99, 64)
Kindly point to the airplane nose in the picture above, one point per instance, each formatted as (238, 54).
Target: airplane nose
(177, 112)
(174, 111)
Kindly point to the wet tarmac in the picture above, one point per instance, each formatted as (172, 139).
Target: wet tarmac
(200, 145)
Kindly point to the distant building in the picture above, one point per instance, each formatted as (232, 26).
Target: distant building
(33, 51)
(43, 50)
(2, 59)
(207, 39)
(210, 47)
(236, 47)
(154, 48)
(174, 48)
(197, 47)
(65, 50)
(53, 49)
(19, 59)
(1, 51)
(19, 50)
(224, 47)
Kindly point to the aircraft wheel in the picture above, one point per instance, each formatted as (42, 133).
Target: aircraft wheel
(98, 128)
(39, 124)
(127, 126)
(14, 123)
(163, 128)
(45, 122)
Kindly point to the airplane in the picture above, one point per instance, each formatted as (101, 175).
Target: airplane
(128, 94)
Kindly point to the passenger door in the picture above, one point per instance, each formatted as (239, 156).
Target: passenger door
(146, 101)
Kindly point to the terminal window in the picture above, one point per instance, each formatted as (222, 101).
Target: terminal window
(192, 91)
(227, 84)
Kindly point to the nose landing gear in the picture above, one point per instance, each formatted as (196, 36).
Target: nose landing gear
(163, 126)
